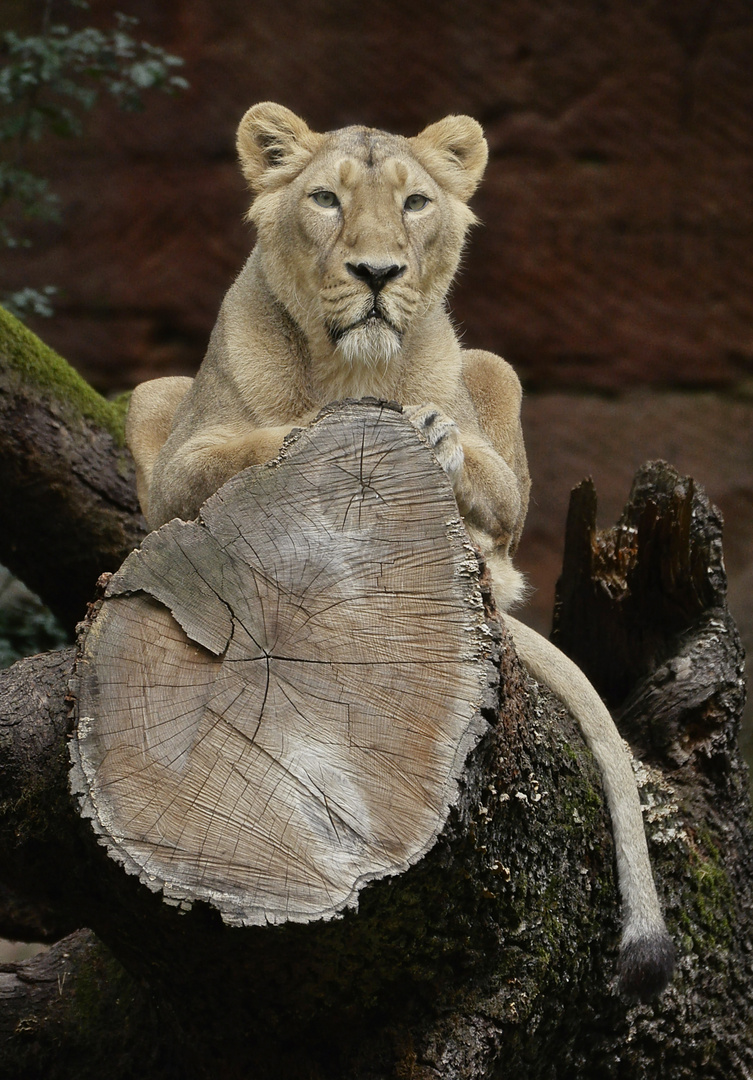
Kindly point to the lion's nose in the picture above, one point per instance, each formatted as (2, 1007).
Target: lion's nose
(376, 277)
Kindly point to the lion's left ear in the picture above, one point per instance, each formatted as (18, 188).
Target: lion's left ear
(454, 151)
(273, 145)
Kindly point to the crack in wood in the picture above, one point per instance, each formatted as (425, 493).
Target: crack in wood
(279, 796)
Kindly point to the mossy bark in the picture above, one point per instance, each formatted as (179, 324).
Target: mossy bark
(74, 1011)
(491, 957)
(66, 476)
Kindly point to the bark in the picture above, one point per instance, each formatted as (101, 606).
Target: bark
(627, 593)
(64, 473)
(492, 955)
(73, 1011)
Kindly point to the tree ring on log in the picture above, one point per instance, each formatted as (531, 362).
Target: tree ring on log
(274, 702)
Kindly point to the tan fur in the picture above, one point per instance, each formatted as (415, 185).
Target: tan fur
(148, 422)
(359, 237)
(278, 352)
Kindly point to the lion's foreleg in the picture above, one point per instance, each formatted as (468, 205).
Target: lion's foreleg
(185, 475)
(486, 488)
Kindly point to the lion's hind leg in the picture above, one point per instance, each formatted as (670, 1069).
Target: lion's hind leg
(148, 423)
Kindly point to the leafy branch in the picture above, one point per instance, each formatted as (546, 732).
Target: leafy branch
(48, 82)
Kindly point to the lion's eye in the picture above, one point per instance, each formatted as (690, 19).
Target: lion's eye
(327, 199)
(416, 202)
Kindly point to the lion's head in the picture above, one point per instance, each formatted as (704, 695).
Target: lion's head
(360, 232)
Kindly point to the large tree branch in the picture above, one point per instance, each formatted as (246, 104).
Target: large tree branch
(66, 477)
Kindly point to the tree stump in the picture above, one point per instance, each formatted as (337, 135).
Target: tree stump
(275, 701)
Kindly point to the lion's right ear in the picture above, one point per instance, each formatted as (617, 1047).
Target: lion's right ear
(454, 151)
(273, 145)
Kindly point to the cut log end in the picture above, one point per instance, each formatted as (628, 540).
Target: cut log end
(275, 702)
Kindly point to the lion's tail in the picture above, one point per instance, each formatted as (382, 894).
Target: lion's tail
(647, 955)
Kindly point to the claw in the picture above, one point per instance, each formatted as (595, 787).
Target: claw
(442, 435)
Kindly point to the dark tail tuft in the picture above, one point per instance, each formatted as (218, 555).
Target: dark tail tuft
(646, 966)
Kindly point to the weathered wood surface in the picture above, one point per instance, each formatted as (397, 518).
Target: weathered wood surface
(626, 593)
(275, 702)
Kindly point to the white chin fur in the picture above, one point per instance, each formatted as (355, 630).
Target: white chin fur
(372, 344)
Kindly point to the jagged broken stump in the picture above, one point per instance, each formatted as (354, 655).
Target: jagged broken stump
(274, 702)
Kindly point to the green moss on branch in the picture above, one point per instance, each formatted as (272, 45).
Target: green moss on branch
(35, 366)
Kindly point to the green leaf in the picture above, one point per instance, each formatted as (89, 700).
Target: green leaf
(49, 81)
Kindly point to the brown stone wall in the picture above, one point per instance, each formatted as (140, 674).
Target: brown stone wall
(617, 244)
(616, 253)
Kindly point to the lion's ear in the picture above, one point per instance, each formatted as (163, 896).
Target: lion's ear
(454, 151)
(273, 144)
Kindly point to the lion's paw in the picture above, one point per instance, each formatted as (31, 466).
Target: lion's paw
(442, 435)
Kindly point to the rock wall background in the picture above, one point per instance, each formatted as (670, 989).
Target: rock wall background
(614, 267)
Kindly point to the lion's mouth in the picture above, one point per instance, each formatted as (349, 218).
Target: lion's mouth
(373, 317)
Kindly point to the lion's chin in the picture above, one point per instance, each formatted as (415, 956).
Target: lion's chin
(371, 343)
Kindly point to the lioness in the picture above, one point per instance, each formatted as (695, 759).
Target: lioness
(359, 237)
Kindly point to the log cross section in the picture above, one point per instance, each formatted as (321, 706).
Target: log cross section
(274, 702)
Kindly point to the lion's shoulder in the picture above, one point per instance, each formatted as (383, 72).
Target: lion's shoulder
(489, 378)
